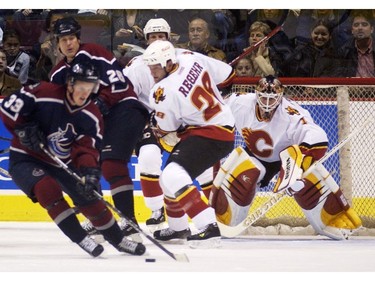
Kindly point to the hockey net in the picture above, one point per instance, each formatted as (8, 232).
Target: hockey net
(338, 105)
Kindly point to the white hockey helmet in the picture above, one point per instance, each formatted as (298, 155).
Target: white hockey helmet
(269, 91)
(157, 25)
(159, 52)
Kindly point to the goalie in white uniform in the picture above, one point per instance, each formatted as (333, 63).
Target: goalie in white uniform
(280, 136)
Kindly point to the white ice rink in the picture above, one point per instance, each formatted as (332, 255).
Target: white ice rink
(42, 248)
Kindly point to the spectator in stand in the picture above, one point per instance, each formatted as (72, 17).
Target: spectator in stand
(8, 84)
(220, 22)
(272, 18)
(4, 15)
(50, 54)
(30, 14)
(18, 60)
(127, 28)
(243, 67)
(315, 58)
(264, 59)
(336, 19)
(357, 56)
(199, 35)
(89, 12)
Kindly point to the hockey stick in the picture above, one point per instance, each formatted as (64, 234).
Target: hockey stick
(5, 172)
(269, 35)
(232, 231)
(5, 150)
(177, 257)
(5, 139)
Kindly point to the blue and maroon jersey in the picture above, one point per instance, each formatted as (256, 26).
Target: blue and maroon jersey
(74, 134)
(114, 86)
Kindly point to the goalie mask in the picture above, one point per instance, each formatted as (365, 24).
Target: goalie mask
(159, 52)
(269, 93)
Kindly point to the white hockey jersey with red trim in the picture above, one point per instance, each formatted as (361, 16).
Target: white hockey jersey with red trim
(291, 124)
(188, 96)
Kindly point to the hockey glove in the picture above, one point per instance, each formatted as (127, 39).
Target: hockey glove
(30, 136)
(91, 182)
(101, 105)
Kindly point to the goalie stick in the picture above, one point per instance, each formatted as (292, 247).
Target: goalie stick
(269, 35)
(177, 257)
(232, 231)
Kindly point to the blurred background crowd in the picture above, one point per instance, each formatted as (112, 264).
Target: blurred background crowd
(311, 43)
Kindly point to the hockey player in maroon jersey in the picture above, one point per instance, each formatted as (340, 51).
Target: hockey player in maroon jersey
(124, 116)
(64, 120)
(280, 136)
(187, 101)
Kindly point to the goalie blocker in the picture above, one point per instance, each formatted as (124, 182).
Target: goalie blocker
(317, 193)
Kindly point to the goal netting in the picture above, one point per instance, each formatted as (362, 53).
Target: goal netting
(338, 105)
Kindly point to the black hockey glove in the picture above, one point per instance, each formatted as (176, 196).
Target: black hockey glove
(30, 136)
(101, 105)
(91, 179)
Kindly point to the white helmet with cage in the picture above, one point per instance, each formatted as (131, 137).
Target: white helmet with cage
(159, 52)
(157, 25)
(269, 93)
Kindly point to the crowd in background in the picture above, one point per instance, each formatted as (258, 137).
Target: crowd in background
(311, 43)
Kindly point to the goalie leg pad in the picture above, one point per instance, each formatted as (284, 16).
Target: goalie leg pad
(232, 198)
(325, 206)
(228, 211)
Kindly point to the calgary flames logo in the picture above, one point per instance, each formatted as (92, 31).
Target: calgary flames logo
(292, 111)
(159, 95)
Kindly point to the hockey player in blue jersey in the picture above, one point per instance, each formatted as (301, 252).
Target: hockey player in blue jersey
(68, 124)
(124, 116)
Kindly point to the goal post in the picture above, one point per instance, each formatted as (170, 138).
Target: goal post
(338, 105)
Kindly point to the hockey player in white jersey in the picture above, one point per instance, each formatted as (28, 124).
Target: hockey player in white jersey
(280, 136)
(149, 150)
(187, 101)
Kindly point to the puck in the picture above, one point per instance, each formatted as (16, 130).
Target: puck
(150, 260)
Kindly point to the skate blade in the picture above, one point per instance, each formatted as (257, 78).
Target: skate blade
(205, 244)
(154, 227)
(136, 237)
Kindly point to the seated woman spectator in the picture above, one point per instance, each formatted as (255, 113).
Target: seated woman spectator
(273, 18)
(8, 84)
(315, 58)
(18, 61)
(243, 67)
(336, 19)
(127, 28)
(265, 60)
